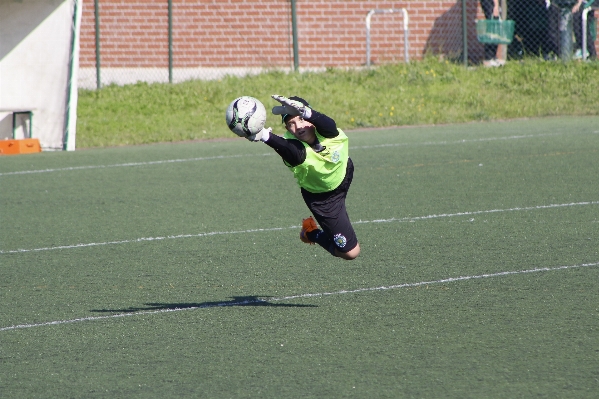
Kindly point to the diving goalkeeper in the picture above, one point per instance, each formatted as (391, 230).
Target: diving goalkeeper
(316, 152)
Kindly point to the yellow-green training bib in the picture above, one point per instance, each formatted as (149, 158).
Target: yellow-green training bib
(323, 171)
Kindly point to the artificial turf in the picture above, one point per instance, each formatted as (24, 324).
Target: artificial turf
(175, 270)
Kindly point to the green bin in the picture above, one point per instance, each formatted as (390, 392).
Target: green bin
(495, 31)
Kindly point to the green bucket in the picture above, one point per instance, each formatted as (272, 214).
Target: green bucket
(495, 31)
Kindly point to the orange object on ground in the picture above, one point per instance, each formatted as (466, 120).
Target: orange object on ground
(22, 146)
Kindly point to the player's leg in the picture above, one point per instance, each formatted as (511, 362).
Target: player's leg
(336, 233)
(335, 242)
(350, 255)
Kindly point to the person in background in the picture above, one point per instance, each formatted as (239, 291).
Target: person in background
(491, 11)
(551, 51)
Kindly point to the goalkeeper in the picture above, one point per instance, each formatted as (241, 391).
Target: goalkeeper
(316, 152)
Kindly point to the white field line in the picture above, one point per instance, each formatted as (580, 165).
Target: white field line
(129, 164)
(214, 233)
(96, 244)
(312, 295)
(426, 143)
(444, 215)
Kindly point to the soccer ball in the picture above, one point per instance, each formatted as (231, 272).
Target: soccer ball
(246, 116)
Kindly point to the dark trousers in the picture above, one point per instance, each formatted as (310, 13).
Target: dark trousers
(330, 213)
(553, 34)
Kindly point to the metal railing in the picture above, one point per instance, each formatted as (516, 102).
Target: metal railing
(405, 30)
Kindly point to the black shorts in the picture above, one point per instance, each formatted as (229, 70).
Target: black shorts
(330, 213)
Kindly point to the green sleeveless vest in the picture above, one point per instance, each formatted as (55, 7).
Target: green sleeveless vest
(322, 171)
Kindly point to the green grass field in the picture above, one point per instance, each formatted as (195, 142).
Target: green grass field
(175, 270)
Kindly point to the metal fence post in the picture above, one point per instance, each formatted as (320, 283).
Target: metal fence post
(97, 21)
(502, 48)
(464, 33)
(294, 33)
(170, 41)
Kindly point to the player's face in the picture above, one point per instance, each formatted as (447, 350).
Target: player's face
(301, 129)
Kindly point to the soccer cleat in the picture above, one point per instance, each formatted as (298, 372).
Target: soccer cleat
(308, 225)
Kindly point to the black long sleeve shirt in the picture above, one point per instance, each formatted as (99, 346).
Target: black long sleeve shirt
(293, 151)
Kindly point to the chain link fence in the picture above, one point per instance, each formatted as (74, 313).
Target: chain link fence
(124, 42)
(550, 29)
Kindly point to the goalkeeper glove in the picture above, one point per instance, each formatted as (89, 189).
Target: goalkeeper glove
(262, 135)
(291, 107)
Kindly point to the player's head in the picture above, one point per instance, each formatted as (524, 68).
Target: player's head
(298, 127)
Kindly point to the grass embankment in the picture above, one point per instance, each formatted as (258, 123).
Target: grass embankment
(425, 92)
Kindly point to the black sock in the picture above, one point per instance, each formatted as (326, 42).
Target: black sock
(323, 239)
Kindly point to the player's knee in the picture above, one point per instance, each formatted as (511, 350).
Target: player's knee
(350, 255)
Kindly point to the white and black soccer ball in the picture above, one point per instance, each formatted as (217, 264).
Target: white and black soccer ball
(246, 116)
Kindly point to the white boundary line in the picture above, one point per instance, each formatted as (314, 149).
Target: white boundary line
(214, 233)
(286, 298)
(129, 164)
(118, 165)
(463, 141)
(96, 244)
(444, 215)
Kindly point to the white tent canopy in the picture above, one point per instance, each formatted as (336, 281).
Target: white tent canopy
(38, 70)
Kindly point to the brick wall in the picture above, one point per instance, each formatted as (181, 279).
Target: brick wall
(245, 33)
(257, 33)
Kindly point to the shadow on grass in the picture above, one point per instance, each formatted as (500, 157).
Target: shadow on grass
(235, 301)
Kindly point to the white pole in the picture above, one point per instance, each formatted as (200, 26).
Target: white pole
(405, 31)
(368, 17)
(71, 111)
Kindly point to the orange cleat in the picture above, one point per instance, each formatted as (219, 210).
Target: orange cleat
(308, 225)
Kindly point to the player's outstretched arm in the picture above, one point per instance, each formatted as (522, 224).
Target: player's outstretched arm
(262, 135)
(324, 124)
